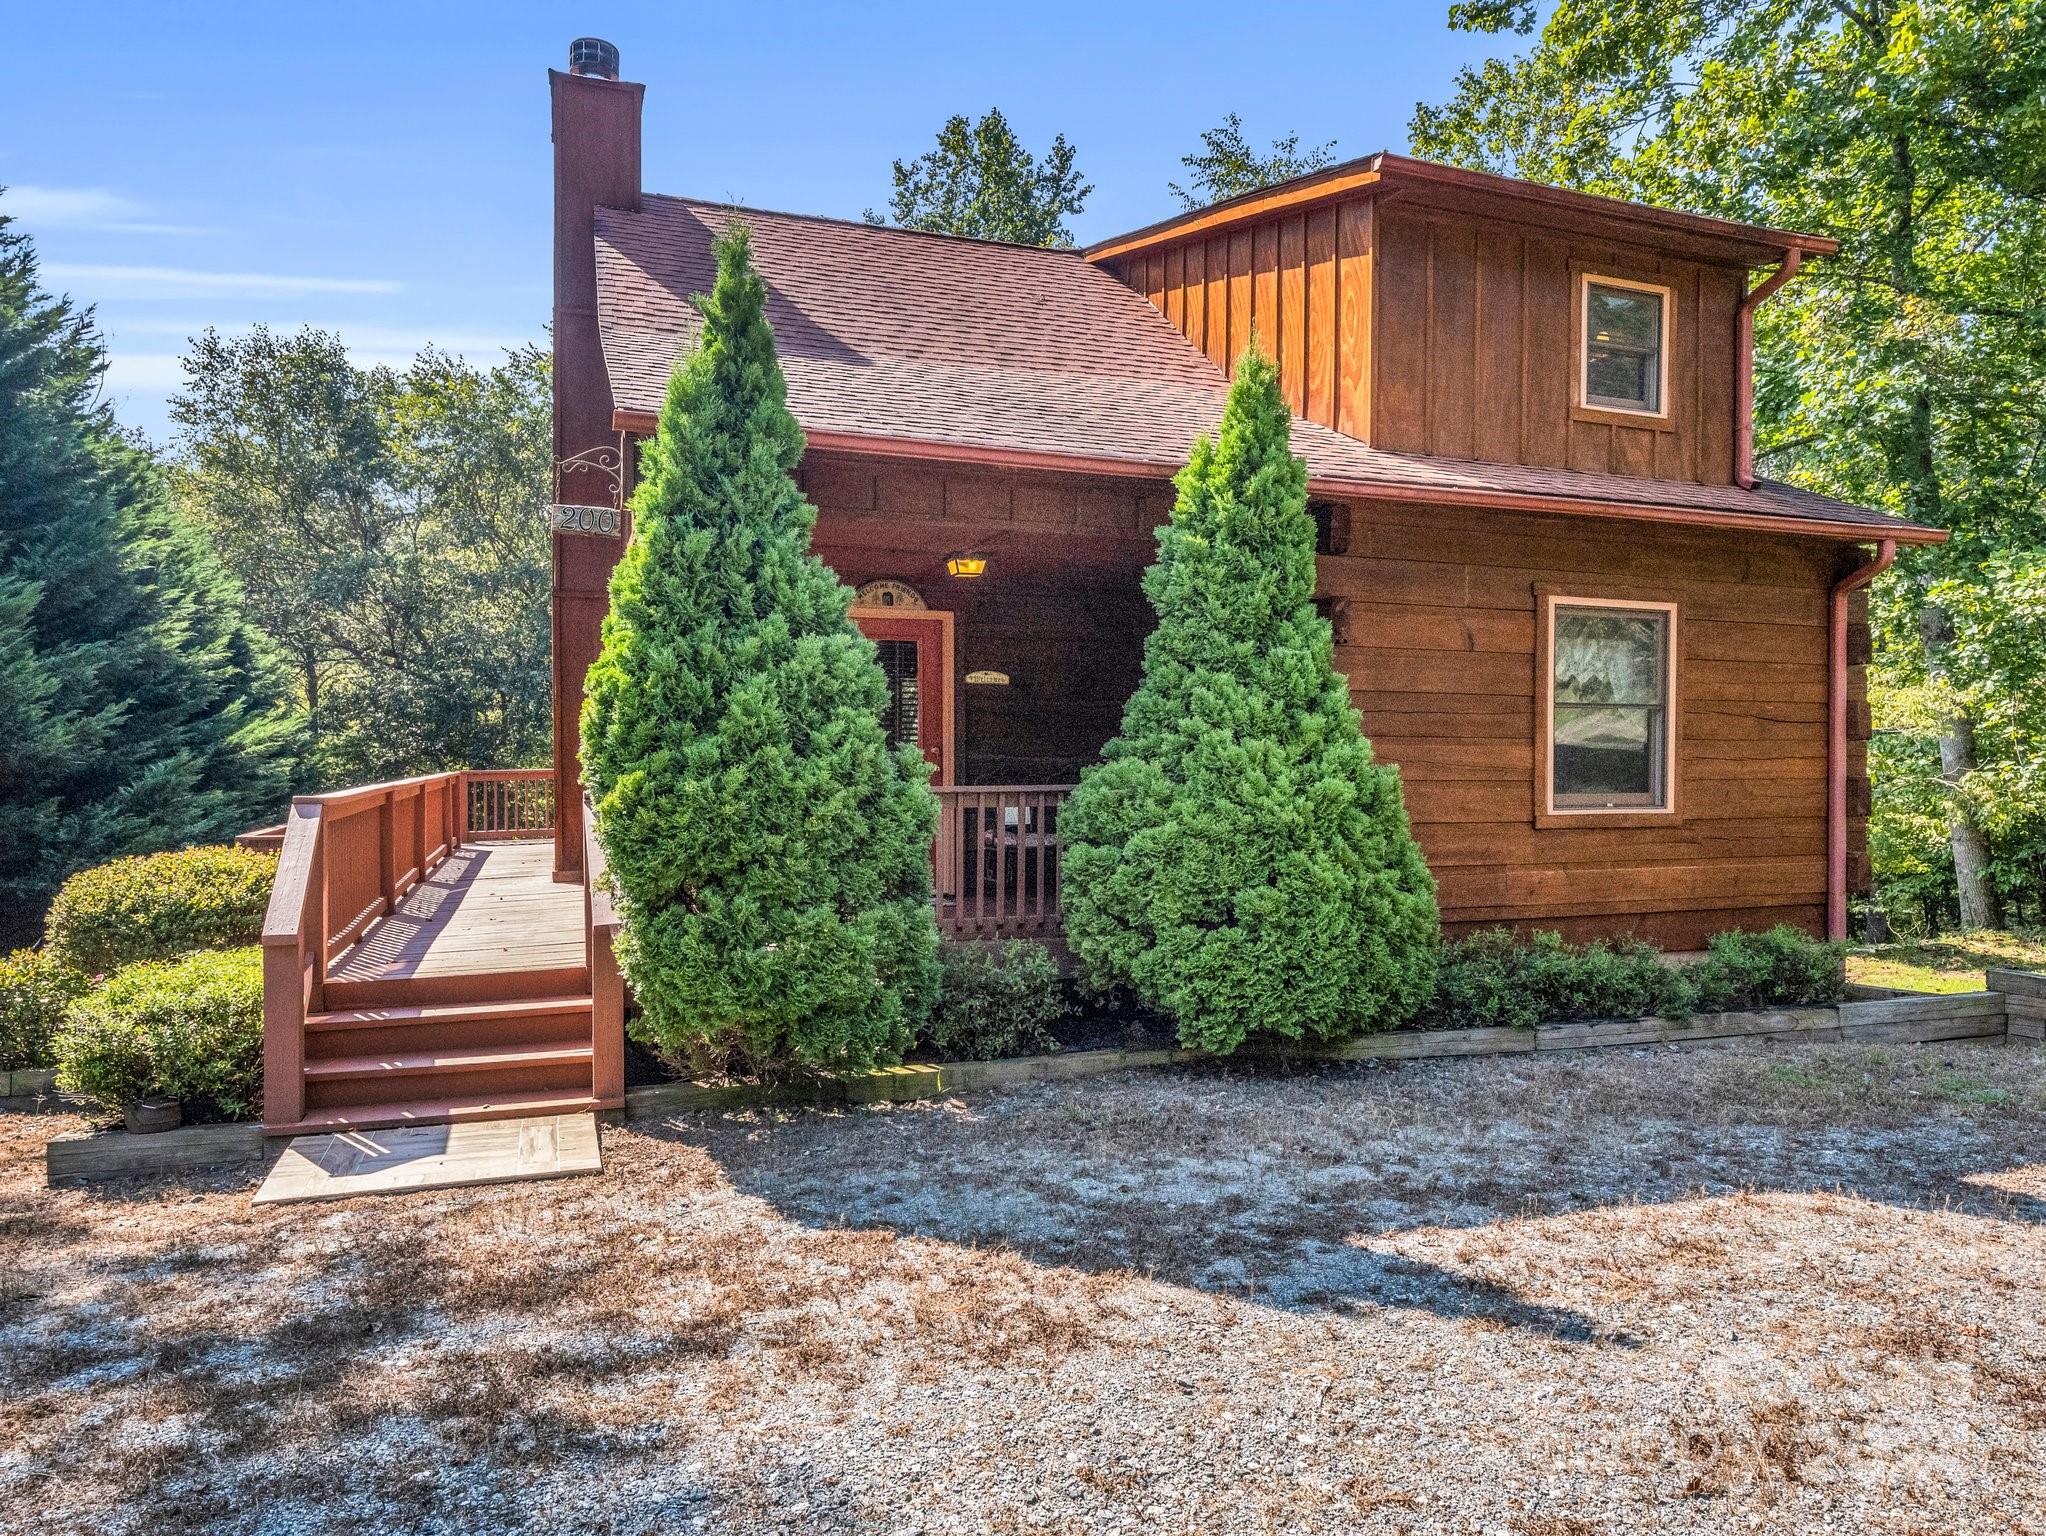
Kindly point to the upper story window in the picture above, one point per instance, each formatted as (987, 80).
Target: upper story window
(1609, 715)
(1625, 363)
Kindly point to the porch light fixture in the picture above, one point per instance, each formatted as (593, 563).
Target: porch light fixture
(967, 567)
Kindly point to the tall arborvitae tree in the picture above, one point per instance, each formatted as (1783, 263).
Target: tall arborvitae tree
(1238, 859)
(771, 852)
(138, 710)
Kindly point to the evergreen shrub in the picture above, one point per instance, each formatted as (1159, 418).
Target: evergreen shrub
(35, 989)
(771, 853)
(994, 1000)
(1782, 968)
(188, 1029)
(1493, 978)
(1238, 860)
(153, 906)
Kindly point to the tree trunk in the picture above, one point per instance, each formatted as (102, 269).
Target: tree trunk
(1976, 895)
(1918, 465)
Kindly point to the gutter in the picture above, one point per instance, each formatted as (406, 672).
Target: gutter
(1836, 733)
(1744, 366)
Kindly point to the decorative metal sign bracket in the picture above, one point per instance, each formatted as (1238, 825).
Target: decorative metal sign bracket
(591, 516)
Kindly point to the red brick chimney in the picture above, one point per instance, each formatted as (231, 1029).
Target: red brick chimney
(596, 165)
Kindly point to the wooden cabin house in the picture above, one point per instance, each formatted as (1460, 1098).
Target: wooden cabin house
(1622, 675)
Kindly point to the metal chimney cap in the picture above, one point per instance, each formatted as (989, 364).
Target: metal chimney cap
(593, 56)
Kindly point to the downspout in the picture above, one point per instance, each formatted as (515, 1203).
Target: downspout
(1744, 367)
(1836, 734)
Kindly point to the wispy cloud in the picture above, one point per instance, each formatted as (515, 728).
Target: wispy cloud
(94, 208)
(359, 336)
(95, 282)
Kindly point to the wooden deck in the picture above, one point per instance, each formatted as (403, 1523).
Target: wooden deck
(488, 908)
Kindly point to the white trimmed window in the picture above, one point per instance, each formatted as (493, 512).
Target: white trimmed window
(1610, 705)
(1624, 363)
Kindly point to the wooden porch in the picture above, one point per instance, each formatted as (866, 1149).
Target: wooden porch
(422, 962)
(422, 965)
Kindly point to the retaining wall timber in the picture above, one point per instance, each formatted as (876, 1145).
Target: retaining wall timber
(2015, 1008)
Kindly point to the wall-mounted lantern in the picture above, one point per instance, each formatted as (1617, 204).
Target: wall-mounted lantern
(967, 567)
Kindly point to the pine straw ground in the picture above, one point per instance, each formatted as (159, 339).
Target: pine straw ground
(1727, 1290)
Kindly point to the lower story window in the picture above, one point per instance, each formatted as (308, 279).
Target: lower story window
(1609, 705)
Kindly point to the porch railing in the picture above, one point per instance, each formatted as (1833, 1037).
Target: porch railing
(509, 802)
(344, 860)
(998, 859)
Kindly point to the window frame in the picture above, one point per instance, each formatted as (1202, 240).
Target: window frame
(1582, 406)
(1547, 812)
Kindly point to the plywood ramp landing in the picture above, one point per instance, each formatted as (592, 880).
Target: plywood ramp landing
(448, 1156)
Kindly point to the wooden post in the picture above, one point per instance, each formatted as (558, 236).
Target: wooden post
(387, 847)
(419, 849)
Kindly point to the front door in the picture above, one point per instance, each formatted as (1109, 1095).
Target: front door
(916, 656)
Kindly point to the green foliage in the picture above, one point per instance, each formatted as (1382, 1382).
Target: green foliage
(1238, 859)
(994, 1000)
(1783, 968)
(1227, 166)
(188, 1029)
(155, 906)
(390, 529)
(770, 851)
(35, 989)
(138, 708)
(1492, 978)
(1993, 672)
(1907, 373)
(980, 181)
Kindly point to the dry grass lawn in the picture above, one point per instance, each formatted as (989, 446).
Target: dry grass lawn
(1729, 1290)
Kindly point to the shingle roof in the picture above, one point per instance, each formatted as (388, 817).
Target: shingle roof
(983, 348)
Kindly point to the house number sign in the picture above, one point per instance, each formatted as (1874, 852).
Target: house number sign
(602, 521)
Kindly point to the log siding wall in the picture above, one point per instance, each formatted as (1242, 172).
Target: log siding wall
(1435, 618)
(1435, 615)
(1431, 330)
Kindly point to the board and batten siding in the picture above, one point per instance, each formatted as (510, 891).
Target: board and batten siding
(1432, 330)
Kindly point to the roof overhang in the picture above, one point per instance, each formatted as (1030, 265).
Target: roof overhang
(1479, 192)
(1344, 488)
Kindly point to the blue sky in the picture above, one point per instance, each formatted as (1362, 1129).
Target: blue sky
(383, 170)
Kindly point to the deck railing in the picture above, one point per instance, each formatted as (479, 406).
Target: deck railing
(998, 860)
(347, 858)
(509, 802)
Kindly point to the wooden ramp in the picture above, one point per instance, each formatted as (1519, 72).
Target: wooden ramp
(469, 1001)
(449, 1156)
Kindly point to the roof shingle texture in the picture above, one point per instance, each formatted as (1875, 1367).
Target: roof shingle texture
(894, 334)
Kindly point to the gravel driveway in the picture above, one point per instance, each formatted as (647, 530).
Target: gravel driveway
(1740, 1289)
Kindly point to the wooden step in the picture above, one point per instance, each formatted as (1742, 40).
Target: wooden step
(403, 1031)
(441, 990)
(476, 1106)
(475, 1058)
(447, 1013)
